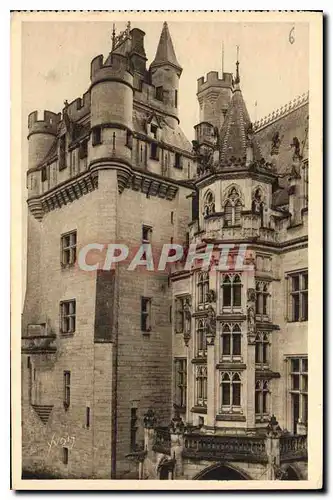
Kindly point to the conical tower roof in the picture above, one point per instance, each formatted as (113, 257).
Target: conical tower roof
(165, 53)
(236, 133)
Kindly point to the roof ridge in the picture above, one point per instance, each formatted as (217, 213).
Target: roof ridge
(298, 101)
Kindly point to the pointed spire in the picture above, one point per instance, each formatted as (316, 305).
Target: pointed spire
(165, 53)
(237, 134)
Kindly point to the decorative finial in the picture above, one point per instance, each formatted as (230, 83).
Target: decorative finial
(113, 36)
(128, 27)
(237, 79)
(66, 103)
(222, 59)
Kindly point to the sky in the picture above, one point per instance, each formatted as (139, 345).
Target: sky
(56, 61)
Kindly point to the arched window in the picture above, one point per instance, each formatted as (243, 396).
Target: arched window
(261, 398)
(209, 204)
(232, 208)
(231, 342)
(201, 338)
(201, 385)
(231, 291)
(230, 392)
(262, 350)
(203, 288)
(262, 295)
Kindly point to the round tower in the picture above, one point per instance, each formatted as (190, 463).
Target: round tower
(111, 108)
(41, 135)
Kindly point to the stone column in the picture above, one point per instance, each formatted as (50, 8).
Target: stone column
(273, 434)
(177, 428)
(250, 361)
(211, 371)
(149, 421)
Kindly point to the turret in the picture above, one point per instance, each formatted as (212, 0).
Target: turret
(214, 95)
(41, 135)
(112, 102)
(165, 73)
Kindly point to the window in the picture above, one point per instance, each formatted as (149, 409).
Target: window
(262, 295)
(153, 130)
(176, 98)
(133, 428)
(145, 314)
(231, 342)
(180, 382)
(159, 93)
(203, 288)
(96, 136)
(201, 338)
(67, 389)
(87, 417)
(298, 296)
(146, 234)
(68, 316)
(62, 152)
(178, 161)
(231, 291)
(44, 174)
(261, 398)
(209, 204)
(230, 392)
(129, 139)
(299, 391)
(154, 151)
(83, 149)
(262, 350)
(68, 249)
(201, 385)
(232, 209)
(65, 455)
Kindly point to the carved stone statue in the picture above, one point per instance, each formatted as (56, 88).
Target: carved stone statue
(273, 429)
(211, 321)
(297, 148)
(211, 296)
(177, 425)
(251, 295)
(251, 322)
(276, 141)
(149, 419)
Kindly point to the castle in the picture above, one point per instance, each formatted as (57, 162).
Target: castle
(173, 375)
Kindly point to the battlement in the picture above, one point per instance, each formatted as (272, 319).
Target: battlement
(213, 80)
(48, 124)
(115, 66)
(79, 107)
(299, 101)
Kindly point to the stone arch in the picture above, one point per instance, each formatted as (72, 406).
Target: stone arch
(228, 191)
(222, 471)
(291, 473)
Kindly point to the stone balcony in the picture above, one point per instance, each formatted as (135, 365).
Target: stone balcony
(39, 340)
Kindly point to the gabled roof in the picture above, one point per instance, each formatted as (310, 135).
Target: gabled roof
(165, 53)
(237, 132)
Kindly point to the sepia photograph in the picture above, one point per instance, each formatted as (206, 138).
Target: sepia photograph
(168, 321)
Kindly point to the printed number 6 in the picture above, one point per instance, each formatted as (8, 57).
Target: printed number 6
(291, 36)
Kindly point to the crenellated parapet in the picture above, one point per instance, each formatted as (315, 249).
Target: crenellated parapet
(296, 103)
(213, 80)
(47, 125)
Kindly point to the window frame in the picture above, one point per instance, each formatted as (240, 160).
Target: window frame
(227, 382)
(234, 331)
(201, 387)
(180, 387)
(202, 289)
(146, 314)
(68, 315)
(262, 404)
(295, 313)
(67, 389)
(263, 300)
(201, 338)
(262, 350)
(96, 136)
(302, 392)
(232, 307)
(70, 249)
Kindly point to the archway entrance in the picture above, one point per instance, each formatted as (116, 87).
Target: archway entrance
(290, 475)
(222, 473)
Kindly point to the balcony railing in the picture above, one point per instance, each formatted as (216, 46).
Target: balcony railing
(162, 440)
(251, 449)
(293, 447)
